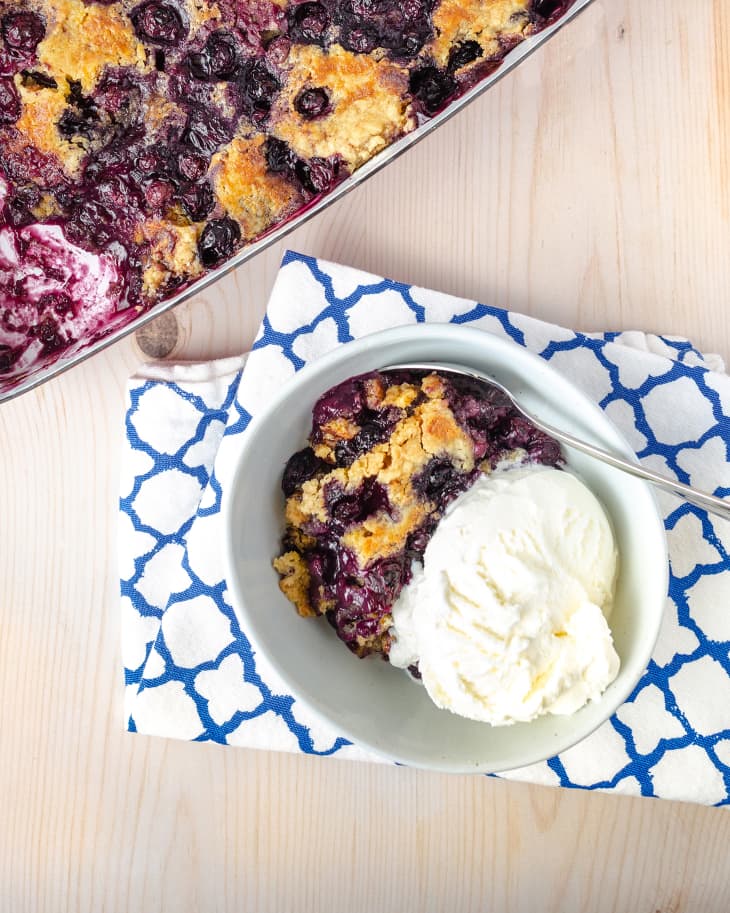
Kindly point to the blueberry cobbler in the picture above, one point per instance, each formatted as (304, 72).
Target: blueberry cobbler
(144, 143)
(388, 452)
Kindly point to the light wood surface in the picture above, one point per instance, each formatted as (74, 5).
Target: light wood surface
(592, 187)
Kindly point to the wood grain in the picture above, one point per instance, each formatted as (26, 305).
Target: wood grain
(591, 188)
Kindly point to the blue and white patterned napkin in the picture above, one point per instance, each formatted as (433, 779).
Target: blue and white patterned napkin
(189, 669)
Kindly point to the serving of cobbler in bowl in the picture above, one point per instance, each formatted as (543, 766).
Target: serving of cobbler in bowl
(388, 453)
(145, 144)
(357, 480)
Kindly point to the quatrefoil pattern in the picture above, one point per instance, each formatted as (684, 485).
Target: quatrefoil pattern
(190, 672)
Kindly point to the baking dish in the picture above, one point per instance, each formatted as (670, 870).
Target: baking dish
(128, 320)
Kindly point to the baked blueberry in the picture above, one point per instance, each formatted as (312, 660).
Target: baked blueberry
(158, 194)
(9, 102)
(198, 201)
(308, 23)
(280, 158)
(258, 86)
(301, 467)
(462, 54)
(218, 59)
(318, 174)
(546, 8)
(432, 87)
(440, 481)
(360, 39)
(311, 103)
(218, 240)
(345, 401)
(277, 50)
(205, 131)
(22, 31)
(192, 166)
(157, 22)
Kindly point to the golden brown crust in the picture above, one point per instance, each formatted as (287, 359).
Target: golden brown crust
(339, 429)
(161, 114)
(247, 191)
(483, 21)
(368, 104)
(171, 252)
(42, 109)
(294, 582)
(202, 11)
(401, 396)
(81, 39)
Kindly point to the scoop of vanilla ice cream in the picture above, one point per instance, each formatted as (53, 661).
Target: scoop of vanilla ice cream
(507, 618)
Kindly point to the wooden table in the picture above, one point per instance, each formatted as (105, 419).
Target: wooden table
(591, 187)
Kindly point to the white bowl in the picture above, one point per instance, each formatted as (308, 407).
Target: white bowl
(366, 700)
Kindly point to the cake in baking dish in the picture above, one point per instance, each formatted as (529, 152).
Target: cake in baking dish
(144, 143)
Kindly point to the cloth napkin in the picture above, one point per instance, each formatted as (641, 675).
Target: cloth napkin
(190, 671)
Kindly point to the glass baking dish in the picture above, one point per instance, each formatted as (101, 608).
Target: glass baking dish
(128, 320)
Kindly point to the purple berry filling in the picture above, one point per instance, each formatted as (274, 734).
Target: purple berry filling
(548, 10)
(401, 28)
(347, 508)
(318, 174)
(219, 238)
(9, 102)
(159, 23)
(308, 23)
(279, 157)
(312, 103)
(256, 89)
(218, 60)
(462, 54)
(22, 31)
(301, 467)
(432, 88)
(346, 400)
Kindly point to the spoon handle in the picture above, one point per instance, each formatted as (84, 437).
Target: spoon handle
(701, 499)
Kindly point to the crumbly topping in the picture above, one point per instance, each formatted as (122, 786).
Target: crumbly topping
(489, 24)
(245, 189)
(295, 581)
(81, 39)
(368, 105)
(42, 109)
(172, 252)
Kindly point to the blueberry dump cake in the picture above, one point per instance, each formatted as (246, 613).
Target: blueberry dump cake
(144, 143)
(387, 454)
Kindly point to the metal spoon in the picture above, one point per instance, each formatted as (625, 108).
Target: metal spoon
(701, 499)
